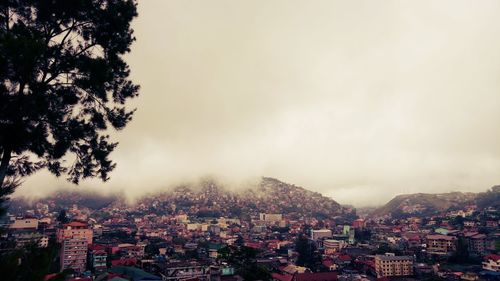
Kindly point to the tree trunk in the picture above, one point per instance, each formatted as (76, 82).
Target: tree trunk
(4, 165)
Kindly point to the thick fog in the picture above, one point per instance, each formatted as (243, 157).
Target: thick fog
(359, 100)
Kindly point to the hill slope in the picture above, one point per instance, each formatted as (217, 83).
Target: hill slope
(423, 204)
(208, 199)
(270, 195)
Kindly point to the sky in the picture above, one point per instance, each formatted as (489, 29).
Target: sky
(358, 100)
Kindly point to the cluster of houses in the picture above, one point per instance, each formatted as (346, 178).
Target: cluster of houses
(128, 244)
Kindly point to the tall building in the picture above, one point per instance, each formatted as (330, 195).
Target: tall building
(476, 243)
(74, 254)
(392, 266)
(74, 229)
(75, 237)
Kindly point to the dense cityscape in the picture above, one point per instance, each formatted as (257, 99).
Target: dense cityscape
(207, 232)
(134, 137)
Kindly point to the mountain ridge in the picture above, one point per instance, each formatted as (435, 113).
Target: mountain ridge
(422, 204)
(212, 198)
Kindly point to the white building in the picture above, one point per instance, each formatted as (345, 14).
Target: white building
(492, 263)
(270, 217)
(321, 233)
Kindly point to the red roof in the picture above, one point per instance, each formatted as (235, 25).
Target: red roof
(440, 237)
(345, 258)
(124, 261)
(317, 276)
(328, 263)
(492, 257)
(76, 224)
(282, 277)
(49, 276)
(97, 247)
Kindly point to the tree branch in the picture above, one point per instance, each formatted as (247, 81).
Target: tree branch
(4, 164)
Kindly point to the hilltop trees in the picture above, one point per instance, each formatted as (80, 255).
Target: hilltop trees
(63, 83)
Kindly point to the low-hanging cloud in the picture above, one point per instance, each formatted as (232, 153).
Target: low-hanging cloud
(359, 100)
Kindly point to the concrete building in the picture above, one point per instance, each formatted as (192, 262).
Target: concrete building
(25, 238)
(320, 233)
(393, 266)
(74, 229)
(492, 263)
(441, 244)
(186, 271)
(270, 217)
(74, 254)
(333, 246)
(24, 224)
(476, 244)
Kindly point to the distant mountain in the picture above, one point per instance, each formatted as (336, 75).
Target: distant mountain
(276, 196)
(66, 199)
(212, 199)
(423, 204)
(208, 198)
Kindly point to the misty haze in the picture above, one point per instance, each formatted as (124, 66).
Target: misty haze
(360, 102)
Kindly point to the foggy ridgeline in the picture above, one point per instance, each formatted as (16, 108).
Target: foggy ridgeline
(211, 198)
(208, 198)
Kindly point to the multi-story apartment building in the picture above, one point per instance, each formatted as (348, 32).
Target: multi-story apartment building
(75, 237)
(74, 254)
(74, 229)
(24, 224)
(392, 266)
(97, 260)
(441, 244)
(476, 243)
(25, 238)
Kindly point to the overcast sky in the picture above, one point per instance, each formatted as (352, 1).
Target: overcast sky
(359, 100)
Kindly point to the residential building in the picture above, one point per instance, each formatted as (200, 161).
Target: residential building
(333, 246)
(270, 217)
(25, 238)
(97, 259)
(74, 229)
(393, 266)
(441, 244)
(476, 244)
(24, 224)
(320, 233)
(492, 263)
(74, 254)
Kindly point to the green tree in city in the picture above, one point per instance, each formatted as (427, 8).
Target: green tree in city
(62, 217)
(461, 255)
(308, 254)
(244, 260)
(30, 263)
